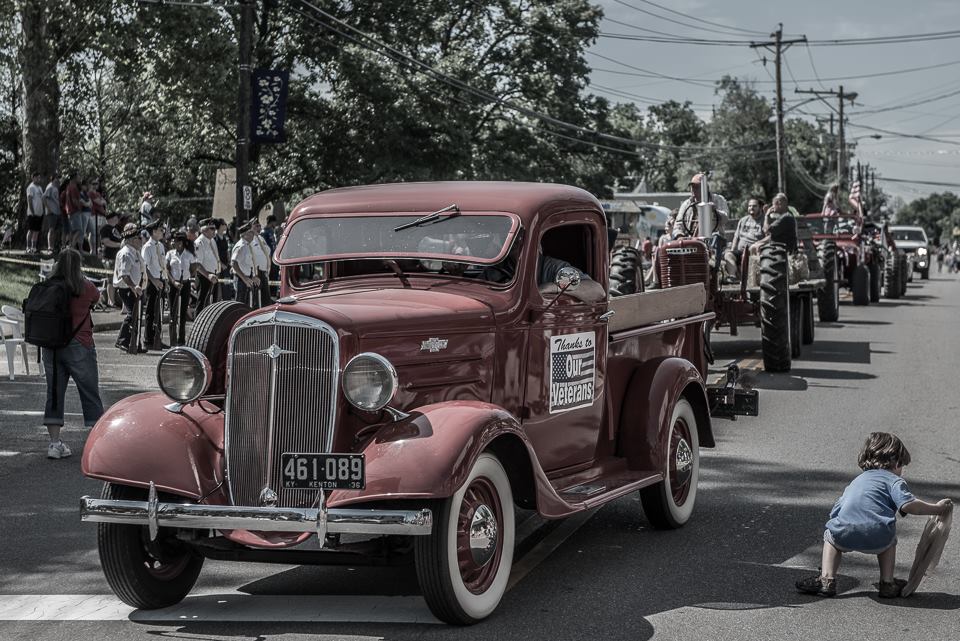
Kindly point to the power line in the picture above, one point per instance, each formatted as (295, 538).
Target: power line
(674, 40)
(703, 20)
(903, 135)
(918, 182)
(915, 103)
(726, 31)
(654, 74)
(896, 39)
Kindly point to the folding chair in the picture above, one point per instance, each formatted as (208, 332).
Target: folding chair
(13, 319)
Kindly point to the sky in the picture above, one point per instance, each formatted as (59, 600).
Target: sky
(804, 68)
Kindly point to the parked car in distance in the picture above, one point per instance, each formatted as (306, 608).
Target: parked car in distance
(913, 240)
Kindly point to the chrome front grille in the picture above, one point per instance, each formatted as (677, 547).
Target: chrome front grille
(281, 397)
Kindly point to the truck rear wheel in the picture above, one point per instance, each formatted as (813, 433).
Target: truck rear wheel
(860, 284)
(891, 277)
(143, 573)
(904, 274)
(774, 308)
(210, 335)
(669, 504)
(463, 566)
(874, 280)
(828, 298)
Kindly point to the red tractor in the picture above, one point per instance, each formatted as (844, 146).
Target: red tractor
(859, 261)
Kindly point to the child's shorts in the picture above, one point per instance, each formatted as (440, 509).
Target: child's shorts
(828, 538)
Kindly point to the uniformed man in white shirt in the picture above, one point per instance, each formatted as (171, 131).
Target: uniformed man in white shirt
(261, 256)
(208, 257)
(244, 267)
(153, 253)
(181, 265)
(127, 279)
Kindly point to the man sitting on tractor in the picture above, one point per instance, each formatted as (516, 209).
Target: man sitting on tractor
(682, 223)
(779, 225)
(750, 230)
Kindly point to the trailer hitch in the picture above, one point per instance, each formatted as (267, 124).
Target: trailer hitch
(729, 401)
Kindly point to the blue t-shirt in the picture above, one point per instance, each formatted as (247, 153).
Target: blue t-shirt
(865, 516)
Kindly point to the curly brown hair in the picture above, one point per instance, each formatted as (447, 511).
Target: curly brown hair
(883, 451)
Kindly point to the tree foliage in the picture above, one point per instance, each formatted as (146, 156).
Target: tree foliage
(938, 214)
(148, 101)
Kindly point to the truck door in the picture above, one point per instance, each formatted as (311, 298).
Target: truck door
(564, 395)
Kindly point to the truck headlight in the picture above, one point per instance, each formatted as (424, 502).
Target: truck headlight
(369, 381)
(922, 251)
(184, 374)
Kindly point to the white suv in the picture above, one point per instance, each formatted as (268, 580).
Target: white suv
(913, 240)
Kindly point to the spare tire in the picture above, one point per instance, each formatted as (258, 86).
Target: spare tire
(775, 308)
(211, 336)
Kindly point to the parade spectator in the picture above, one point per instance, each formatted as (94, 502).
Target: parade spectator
(86, 208)
(749, 232)
(7, 230)
(223, 250)
(245, 267)
(864, 518)
(831, 201)
(147, 215)
(208, 267)
(261, 256)
(127, 278)
(52, 214)
(269, 233)
(647, 249)
(181, 264)
(940, 254)
(78, 360)
(34, 213)
(99, 204)
(74, 210)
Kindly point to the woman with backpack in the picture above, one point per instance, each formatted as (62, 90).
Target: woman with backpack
(77, 360)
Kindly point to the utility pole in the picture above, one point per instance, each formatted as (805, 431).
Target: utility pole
(842, 149)
(779, 46)
(244, 99)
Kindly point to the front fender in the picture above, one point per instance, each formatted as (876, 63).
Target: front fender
(654, 388)
(138, 441)
(429, 454)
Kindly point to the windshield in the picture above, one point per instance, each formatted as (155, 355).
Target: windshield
(467, 238)
(839, 225)
(909, 234)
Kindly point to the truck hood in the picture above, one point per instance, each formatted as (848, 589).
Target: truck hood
(910, 245)
(387, 311)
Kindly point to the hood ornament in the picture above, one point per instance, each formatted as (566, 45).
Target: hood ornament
(275, 351)
(434, 345)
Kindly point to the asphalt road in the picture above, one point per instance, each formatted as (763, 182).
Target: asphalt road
(764, 495)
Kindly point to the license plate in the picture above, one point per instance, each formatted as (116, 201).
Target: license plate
(322, 471)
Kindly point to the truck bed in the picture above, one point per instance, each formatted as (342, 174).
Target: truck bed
(634, 311)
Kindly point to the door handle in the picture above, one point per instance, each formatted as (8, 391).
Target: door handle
(606, 315)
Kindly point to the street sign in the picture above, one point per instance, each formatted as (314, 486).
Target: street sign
(247, 197)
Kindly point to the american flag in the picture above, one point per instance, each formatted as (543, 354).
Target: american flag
(573, 367)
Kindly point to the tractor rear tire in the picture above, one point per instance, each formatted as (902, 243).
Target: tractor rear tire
(891, 277)
(775, 308)
(828, 298)
(904, 274)
(796, 326)
(860, 284)
(808, 323)
(875, 283)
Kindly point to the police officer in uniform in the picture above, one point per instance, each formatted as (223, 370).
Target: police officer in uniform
(127, 279)
(245, 267)
(153, 253)
(261, 256)
(208, 259)
(180, 265)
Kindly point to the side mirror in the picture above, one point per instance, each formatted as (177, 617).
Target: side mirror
(567, 279)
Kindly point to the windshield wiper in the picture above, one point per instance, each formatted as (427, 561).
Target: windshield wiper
(450, 210)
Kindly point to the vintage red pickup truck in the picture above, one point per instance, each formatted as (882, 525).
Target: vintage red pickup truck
(442, 354)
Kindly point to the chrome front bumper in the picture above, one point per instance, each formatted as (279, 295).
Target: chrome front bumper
(320, 520)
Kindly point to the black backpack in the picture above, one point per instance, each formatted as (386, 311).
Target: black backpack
(48, 321)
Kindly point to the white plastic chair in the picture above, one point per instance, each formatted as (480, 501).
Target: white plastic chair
(13, 319)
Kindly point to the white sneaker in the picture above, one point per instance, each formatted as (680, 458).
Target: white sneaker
(58, 450)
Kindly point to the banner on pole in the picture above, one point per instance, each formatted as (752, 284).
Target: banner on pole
(269, 105)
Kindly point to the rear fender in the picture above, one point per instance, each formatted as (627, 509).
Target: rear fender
(138, 441)
(654, 389)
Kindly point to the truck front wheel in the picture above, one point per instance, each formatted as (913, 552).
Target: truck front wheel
(669, 504)
(143, 573)
(463, 566)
